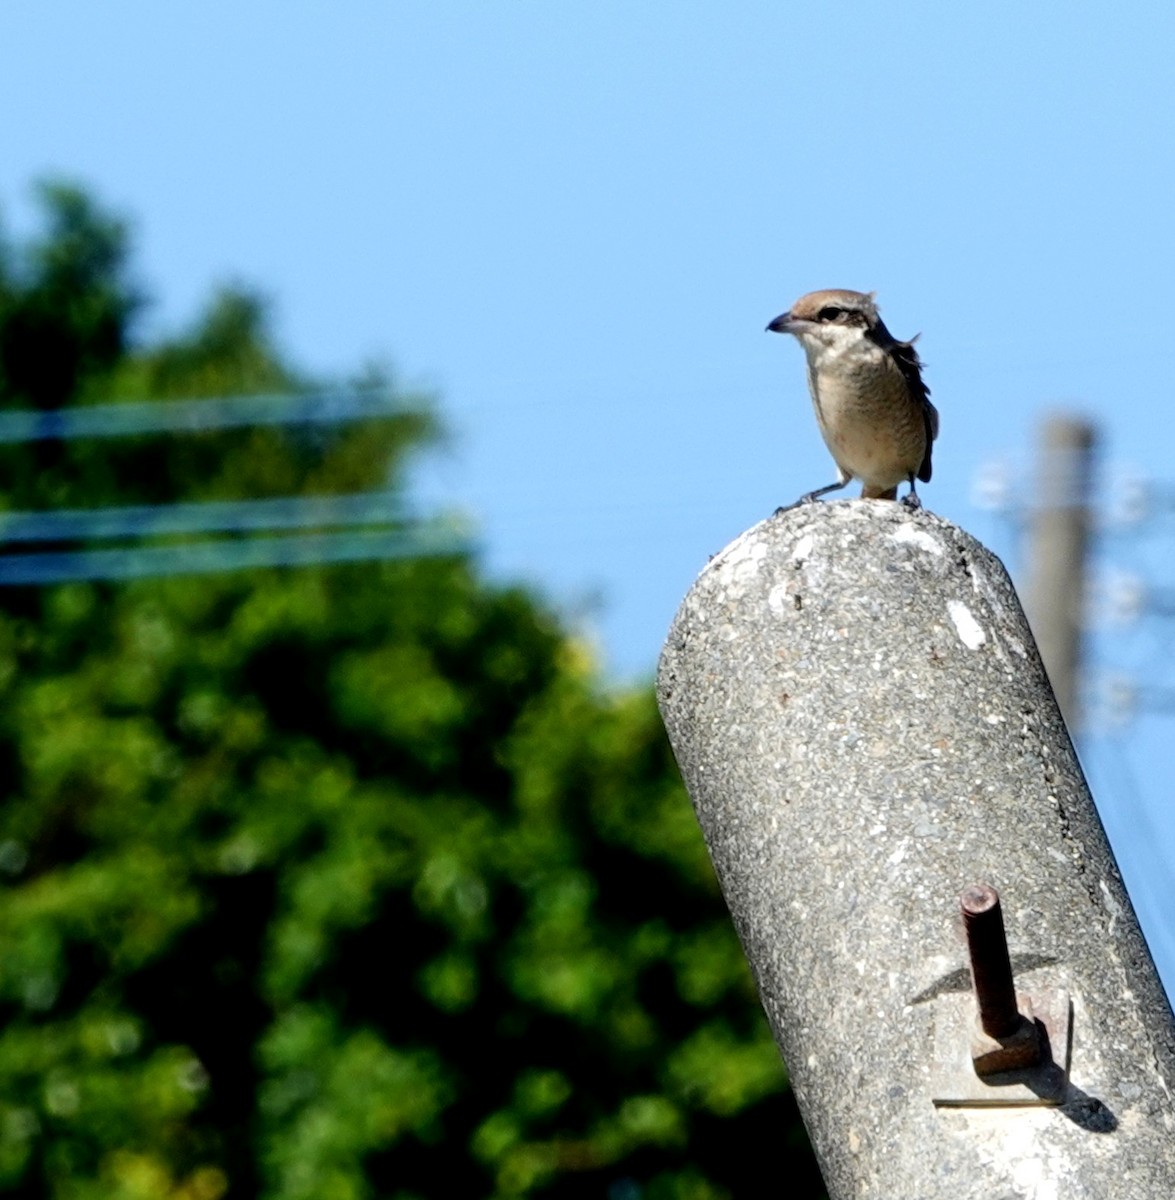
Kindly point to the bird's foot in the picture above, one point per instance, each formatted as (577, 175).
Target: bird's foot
(910, 500)
(806, 498)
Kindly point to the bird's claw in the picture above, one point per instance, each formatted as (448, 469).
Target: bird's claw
(806, 498)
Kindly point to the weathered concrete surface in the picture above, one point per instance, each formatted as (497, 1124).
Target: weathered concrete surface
(865, 728)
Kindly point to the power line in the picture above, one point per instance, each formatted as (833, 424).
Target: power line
(209, 517)
(230, 516)
(194, 416)
(298, 550)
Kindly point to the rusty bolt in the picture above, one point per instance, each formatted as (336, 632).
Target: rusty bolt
(991, 968)
(1010, 1039)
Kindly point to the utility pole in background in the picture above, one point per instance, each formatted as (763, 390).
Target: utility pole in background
(1058, 547)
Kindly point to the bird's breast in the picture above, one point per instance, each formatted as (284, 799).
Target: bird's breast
(870, 423)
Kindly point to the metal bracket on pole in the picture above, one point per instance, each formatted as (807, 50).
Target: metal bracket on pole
(998, 1047)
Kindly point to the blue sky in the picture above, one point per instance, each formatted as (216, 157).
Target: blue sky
(571, 223)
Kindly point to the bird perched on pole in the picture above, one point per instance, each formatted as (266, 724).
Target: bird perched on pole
(872, 407)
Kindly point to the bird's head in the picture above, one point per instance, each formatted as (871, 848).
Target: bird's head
(829, 320)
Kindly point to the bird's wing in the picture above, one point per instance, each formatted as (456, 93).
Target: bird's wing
(910, 365)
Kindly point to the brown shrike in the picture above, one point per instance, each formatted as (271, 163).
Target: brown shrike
(872, 407)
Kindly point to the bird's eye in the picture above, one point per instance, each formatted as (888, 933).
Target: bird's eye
(830, 313)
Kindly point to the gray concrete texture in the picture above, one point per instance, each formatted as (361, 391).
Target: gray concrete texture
(865, 728)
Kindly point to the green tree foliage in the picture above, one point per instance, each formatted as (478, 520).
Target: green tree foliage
(64, 302)
(337, 882)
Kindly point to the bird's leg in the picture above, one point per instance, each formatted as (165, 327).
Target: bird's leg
(812, 497)
(910, 500)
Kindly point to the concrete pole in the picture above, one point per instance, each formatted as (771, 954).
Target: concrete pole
(1058, 545)
(865, 729)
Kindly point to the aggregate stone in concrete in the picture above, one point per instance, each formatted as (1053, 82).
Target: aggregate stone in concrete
(864, 726)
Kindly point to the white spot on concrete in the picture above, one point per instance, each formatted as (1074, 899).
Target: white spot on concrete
(1112, 905)
(803, 549)
(1034, 1166)
(1029, 1175)
(917, 537)
(900, 853)
(741, 560)
(966, 626)
(778, 600)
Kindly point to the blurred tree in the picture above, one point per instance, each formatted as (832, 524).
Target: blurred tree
(65, 302)
(341, 882)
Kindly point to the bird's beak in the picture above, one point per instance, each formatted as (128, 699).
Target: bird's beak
(784, 323)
